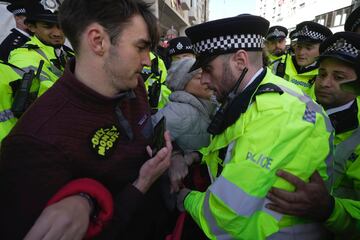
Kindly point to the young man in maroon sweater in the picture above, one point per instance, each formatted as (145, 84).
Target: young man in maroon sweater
(82, 148)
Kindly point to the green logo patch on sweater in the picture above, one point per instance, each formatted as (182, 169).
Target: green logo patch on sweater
(104, 139)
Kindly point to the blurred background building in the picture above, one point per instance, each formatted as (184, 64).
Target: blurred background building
(288, 13)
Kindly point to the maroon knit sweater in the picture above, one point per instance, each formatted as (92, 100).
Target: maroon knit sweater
(73, 132)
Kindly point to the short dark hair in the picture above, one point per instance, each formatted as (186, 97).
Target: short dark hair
(76, 15)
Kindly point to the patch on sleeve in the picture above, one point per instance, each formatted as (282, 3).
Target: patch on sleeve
(104, 140)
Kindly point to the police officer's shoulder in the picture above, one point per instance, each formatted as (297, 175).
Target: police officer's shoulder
(266, 97)
(30, 46)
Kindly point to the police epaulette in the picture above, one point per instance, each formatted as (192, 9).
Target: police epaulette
(267, 88)
(30, 46)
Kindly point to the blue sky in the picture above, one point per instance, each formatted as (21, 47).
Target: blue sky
(229, 8)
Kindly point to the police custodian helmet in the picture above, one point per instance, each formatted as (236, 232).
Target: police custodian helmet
(42, 10)
(226, 35)
(312, 32)
(180, 45)
(276, 33)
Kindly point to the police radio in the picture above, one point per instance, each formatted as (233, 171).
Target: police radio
(21, 98)
(217, 124)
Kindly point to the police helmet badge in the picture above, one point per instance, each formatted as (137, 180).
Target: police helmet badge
(340, 43)
(179, 46)
(51, 5)
(104, 141)
(277, 33)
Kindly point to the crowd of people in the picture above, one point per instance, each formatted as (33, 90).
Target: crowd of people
(118, 138)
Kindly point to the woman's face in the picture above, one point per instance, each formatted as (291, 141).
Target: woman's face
(196, 88)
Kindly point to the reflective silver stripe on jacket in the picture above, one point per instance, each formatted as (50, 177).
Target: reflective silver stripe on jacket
(43, 75)
(343, 152)
(238, 200)
(215, 230)
(309, 231)
(312, 106)
(6, 115)
(53, 69)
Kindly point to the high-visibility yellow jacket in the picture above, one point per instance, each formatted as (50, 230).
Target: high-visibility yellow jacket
(286, 131)
(7, 119)
(28, 58)
(165, 91)
(345, 219)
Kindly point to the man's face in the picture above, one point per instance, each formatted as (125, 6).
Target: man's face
(127, 57)
(327, 88)
(276, 47)
(48, 33)
(219, 77)
(306, 53)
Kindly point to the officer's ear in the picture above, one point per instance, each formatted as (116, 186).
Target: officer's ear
(240, 59)
(97, 39)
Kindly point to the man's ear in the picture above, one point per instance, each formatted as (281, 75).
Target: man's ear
(97, 39)
(241, 59)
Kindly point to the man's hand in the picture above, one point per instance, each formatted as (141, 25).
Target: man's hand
(67, 219)
(310, 200)
(152, 169)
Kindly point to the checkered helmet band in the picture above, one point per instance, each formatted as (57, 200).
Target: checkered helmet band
(305, 32)
(19, 11)
(342, 46)
(242, 41)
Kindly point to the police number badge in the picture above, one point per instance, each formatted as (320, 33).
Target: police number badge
(51, 5)
(104, 140)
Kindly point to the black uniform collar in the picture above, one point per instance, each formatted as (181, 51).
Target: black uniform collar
(241, 102)
(300, 69)
(345, 120)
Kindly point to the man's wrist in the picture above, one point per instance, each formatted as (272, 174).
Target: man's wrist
(141, 185)
(92, 204)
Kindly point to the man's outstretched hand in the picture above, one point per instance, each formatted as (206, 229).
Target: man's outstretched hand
(310, 200)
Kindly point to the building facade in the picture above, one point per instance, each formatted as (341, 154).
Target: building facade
(288, 13)
(177, 15)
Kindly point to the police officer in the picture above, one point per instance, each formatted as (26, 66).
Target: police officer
(265, 123)
(275, 44)
(302, 68)
(8, 74)
(180, 47)
(352, 23)
(47, 44)
(339, 62)
(19, 35)
(154, 77)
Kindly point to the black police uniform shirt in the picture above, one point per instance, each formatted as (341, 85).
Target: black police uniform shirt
(14, 40)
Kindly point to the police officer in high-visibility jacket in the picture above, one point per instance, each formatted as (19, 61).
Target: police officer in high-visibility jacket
(302, 68)
(8, 74)
(265, 123)
(47, 44)
(275, 44)
(339, 62)
(154, 77)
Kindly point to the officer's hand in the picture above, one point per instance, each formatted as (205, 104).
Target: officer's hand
(310, 200)
(152, 169)
(65, 220)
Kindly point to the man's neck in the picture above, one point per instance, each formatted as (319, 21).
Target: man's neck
(91, 74)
